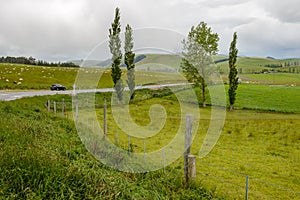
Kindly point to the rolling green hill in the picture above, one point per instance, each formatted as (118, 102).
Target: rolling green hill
(159, 62)
(149, 67)
(171, 63)
(250, 65)
(246, 65)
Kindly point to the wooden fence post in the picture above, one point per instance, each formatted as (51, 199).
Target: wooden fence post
(163, 158)
(117, 137)
(104, 120)
(54, 107)
(74, 90)
(128, 143)
(99, 129)
(247, 185)
(63, 107)
(192, 167)
(48, 105)
(76, 112)
(93, 126)
(187, 146)
(145, 149)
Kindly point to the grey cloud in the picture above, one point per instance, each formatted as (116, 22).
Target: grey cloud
(285, 11)
(61, 29)
(268, 37)
(71, 28)
(208, 3)
(231, 22)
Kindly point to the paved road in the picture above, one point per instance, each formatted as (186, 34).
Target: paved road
(10, 96)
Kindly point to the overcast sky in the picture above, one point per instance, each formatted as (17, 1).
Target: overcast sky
(70, 29)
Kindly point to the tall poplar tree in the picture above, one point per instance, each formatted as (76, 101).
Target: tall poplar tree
(115, 49)
(129, 60)
(233, 79)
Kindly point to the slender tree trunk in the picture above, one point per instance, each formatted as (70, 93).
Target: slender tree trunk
(203, 96)
(203, 85)
(132, 95)
(231, 107)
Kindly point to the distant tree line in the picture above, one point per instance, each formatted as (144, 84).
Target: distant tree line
(274, 65)
(33, 61)
(221, 60)
(286, 64)
(292, 63)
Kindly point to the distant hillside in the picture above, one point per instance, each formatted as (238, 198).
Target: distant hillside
(104, 63)
(159, 62)
(251, 65)
(171, 63)
(86, 63)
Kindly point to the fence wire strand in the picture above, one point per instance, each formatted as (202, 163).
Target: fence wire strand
(204, 174)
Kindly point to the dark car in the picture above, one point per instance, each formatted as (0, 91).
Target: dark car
(57, 87)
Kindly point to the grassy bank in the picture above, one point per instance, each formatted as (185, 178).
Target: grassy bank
(42, 157)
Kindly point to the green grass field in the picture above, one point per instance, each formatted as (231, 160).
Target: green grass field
(272, 79)
(15, 76)
(262, 145)
(43, 157)
(267, 98)
(255, 97)
(23, 77)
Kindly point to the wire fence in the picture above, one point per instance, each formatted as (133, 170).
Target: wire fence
(238, 180)
(226, 171)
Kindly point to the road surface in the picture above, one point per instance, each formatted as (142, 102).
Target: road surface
(11, 95)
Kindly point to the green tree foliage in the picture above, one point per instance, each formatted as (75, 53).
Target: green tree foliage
(274, 65)
(115, 49)
(129, 60)
(198, 48)
(233, 79)
(33, 61)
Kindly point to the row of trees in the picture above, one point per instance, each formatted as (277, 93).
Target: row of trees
(197, 62)
(18, 60)
(292, 63)
(33, 61)
(286, 64)
(274, 65)
(198, 49)
(115, 49)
